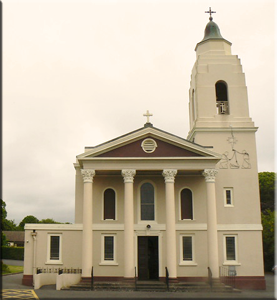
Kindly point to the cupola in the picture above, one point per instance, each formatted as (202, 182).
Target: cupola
(213, 40)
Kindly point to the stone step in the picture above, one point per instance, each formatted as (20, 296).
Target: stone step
(157, 286)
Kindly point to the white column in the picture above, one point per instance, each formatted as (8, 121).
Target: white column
(129, 262)
(169, 177)
(87, 222)
(212, 222)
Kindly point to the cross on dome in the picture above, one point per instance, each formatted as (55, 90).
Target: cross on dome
(210, 12)
(147, 115)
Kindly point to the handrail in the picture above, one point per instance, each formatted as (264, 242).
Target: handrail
(167, 278)
(135, 278)
(92, 279)
(228, 275)
(210, 277)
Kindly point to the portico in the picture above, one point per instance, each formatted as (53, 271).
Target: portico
(132, 170)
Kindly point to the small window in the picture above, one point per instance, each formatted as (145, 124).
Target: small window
(108, 248)
(109, 204)
(187, 248)
(230, 248)
(222, 103)
(54, 249)
(186, 205)
(147, 201)
(228, 197)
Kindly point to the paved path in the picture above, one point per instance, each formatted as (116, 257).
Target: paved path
(12, 262)
(48, 292)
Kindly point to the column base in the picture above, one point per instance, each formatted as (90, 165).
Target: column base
(173, 280)
(27, 280)
(86, 279)
(129, 279)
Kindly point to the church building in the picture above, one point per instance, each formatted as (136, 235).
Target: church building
(150, 201)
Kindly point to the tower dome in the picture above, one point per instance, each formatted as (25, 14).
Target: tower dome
(212, 31)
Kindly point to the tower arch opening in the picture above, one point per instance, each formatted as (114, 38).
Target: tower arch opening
(222, 103)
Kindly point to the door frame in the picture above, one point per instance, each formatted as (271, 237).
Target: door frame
(160, 238)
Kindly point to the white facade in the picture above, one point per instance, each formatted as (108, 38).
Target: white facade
(186, 204)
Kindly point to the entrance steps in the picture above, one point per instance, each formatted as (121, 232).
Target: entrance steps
(154, 286)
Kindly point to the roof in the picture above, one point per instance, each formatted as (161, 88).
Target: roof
(212, 32)
(14, 236)
(128, 148)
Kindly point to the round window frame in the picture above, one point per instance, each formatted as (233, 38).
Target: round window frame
(147, 141)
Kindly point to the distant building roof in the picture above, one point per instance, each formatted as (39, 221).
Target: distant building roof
(14, 236)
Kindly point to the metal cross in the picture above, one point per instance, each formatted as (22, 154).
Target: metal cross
(210, 12)
(147, 115)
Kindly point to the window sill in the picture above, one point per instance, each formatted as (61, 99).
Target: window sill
(188, 264)
(110, 263)
(54, 262)
(231, 263)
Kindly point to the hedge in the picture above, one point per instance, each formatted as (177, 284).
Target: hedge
(16, 253)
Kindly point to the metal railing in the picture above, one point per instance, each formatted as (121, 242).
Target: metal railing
(227, 275)
(92, 280)
(167, 278)
(59, 270)
(135, 278)
(210, 277)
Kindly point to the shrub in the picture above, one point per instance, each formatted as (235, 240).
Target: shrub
(16, 253)
(5, 268)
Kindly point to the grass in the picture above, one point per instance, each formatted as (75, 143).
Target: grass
(12, 270)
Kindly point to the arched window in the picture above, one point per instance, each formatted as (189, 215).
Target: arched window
(186, 205)
(109, 204)
(147, 202)
(222, 102)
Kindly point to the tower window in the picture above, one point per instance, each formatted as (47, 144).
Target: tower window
(222, 102)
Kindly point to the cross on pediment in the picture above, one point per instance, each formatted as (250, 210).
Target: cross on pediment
(147, 115)
(210, 12)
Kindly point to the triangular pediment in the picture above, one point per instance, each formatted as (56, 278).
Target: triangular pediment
(133, 145)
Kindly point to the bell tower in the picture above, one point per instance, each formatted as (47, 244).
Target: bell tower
(218, 93)
(218, 101)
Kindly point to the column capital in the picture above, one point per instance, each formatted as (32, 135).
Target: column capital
(210, 174)
(88, 175)
(169, 175)
(128, 175)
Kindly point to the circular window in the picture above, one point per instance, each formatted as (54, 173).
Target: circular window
(149, 145)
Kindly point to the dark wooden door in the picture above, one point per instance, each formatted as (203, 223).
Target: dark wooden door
(148, 257)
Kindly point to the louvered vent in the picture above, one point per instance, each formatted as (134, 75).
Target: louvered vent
(149, 145)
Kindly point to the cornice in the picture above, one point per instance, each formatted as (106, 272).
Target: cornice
(187, 226)
(217, 129)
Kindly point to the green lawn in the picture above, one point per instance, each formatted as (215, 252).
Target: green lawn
(13, 269)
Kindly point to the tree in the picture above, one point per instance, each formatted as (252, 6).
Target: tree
(27, 219)
(267, 190)
(48, 221)
(268, 218)
(6, 224)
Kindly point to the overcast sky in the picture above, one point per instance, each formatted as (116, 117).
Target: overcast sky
(79, 73)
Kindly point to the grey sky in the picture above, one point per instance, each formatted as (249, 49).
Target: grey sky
(79, 73)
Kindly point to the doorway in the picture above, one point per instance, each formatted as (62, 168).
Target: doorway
(148, 258)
